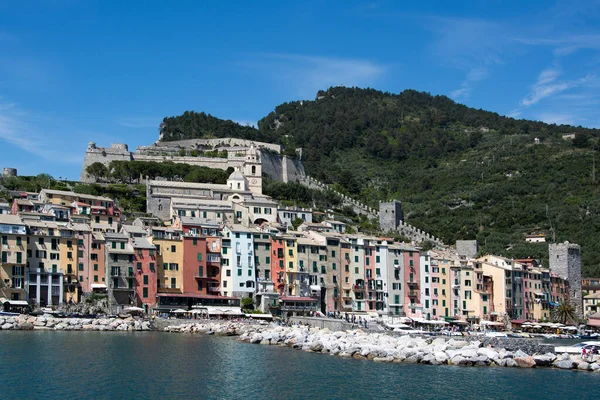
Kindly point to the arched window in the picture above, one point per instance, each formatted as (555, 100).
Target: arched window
(254, 170)
(160, 207)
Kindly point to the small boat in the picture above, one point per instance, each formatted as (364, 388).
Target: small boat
(9, 314)
(589, 336)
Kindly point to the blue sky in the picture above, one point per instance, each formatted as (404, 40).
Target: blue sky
(74, 71)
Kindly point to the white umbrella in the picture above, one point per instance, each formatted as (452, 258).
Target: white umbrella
(179, 311)
(536, 326)
(133, 309)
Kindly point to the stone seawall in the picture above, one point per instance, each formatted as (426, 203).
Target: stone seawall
(331, 324)
(383, 347)
(50, 323)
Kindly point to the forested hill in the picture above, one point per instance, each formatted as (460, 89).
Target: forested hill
(193, 125)
(460, 172)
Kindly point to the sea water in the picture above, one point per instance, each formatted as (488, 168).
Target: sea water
(152, 365)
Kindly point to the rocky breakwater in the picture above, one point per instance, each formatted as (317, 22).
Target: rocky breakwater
(405, 349)
(48, 322)
(212, 328)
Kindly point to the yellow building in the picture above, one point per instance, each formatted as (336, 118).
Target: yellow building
(499, 270)
(290, 253)
(445, 287)
(591, 303)
(13, 250)
(170, 259)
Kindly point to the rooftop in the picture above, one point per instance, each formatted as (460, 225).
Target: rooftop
(73, 194)
(142, 243)
(10, 219)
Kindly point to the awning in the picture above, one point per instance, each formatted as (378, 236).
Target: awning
(315, 288)
(593, 322)
(133, 309)
(213, 310)
(98, 286)
(491, 323)
(18, 303)
(260, 316)
(538, 294)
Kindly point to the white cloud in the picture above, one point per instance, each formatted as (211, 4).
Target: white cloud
(19, 128)
(460, 93)
(469, 45)
(565, 44)
(474, 75)
(547, 85)
(307, 74)
(515, 113)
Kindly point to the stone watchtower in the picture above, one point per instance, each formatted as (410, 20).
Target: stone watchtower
(565, 261)
(9, 172)
(390, 215)
(253, 170)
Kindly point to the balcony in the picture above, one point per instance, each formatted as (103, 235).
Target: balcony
(210, 278)
(214, 289)
(358, 288)
(413, 293)
(413, 284)
(123, 288)
(213, 260)
(299, 308)
(169, 290)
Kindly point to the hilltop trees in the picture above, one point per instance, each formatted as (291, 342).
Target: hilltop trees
(98, 171)
(461, 173)
(137, 171)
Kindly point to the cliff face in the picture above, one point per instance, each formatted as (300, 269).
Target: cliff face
(282, 168)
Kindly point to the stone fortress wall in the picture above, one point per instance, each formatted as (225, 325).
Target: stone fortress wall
(276, 166)
(390, 215)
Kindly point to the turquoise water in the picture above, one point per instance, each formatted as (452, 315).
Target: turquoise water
(158, 365)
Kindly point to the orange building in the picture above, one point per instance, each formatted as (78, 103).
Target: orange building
(277, 264)
(145, 272)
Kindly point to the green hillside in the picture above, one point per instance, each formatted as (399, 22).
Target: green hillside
(461, 173)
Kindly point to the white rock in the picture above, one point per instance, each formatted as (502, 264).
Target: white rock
(489, 353)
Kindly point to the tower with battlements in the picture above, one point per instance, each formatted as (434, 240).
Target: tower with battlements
(390, 215)
(565, 261)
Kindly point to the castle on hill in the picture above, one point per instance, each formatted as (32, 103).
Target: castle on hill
(200, 152)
